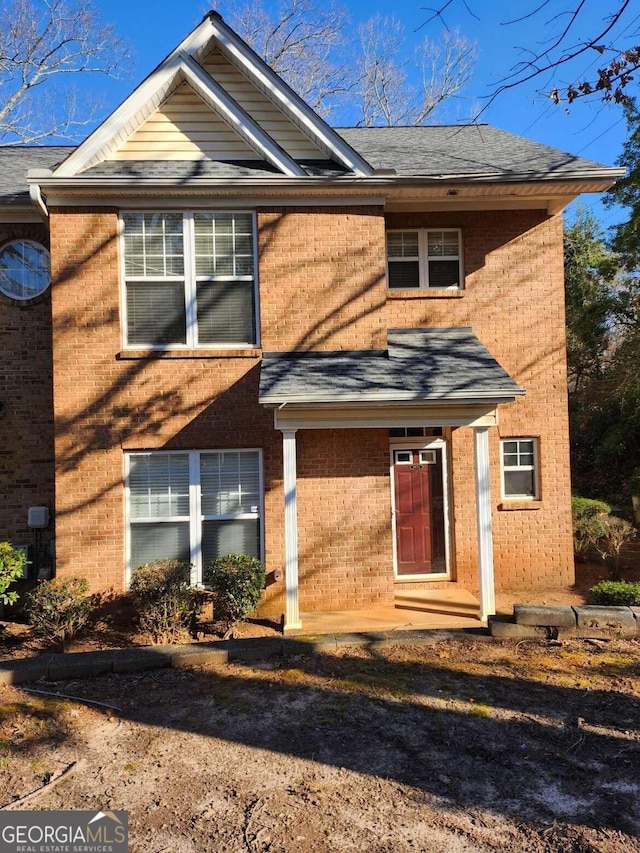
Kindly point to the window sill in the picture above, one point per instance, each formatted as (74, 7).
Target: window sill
(511, 506)
(425, 294)
(248, 352)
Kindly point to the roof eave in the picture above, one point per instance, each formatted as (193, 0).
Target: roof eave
(598, 182)
(496, 398)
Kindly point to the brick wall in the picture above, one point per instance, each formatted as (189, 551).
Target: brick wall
(322, 279)
(106, 402)
(26, 428)
(514, 300)
(344, 519)
(321, 287)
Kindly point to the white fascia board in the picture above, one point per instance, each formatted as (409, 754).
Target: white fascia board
(165, 71)
(340, 402)
(237, 119)
(102, 136)
(256, 69)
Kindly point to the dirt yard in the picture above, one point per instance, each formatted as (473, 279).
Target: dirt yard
(463, 745)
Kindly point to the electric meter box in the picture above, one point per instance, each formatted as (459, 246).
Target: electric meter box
(38, 516)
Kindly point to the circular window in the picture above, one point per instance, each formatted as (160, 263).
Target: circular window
(24, 269)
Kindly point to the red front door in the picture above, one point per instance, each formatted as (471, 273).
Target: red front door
(419, 512)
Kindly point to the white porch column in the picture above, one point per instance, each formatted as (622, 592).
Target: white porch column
(483, 511)
(292, 611)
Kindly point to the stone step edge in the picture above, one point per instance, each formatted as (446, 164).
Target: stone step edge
(590, 622)
(580, 616)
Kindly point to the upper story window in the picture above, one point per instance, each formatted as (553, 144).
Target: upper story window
(24, 269)
(189, 279)
(424, 258)
(519, 468)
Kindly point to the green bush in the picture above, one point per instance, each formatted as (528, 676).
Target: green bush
(237, 581)
(588, 526)
(167, 605)
(58, 609)
(12, 563)
(615, 593)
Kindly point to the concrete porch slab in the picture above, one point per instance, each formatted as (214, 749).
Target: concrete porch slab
(419, 610)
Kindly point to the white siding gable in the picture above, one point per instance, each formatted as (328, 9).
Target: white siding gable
(184, 128)
(270, 118)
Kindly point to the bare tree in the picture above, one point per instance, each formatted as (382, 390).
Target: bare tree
(367, 76)
(396, 91)
(43, 44)
(301, 43)
(615, 42)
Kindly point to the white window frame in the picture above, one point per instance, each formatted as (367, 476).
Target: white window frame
(423, 259)
(535, 468)
(44, 253)
(195, 505)
(190, 282)
(416, 444)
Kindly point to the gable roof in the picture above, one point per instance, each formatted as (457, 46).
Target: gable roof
(15, 162)
(183, 64)
(428, 365)
(464, 151)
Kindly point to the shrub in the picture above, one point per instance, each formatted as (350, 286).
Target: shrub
(58, 609)
(167, 605)
(614, 535)
(237, 581)
(12, 563)
(615, 593)
(588, 518)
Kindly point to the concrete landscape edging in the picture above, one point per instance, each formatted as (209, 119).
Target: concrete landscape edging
(529, 621)
(587, 621)
(54, 667)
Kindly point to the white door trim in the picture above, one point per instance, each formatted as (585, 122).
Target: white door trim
(419, 443)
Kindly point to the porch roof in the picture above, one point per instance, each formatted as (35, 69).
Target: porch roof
(436, 365)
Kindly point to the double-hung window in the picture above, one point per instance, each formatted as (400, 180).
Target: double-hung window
(189, 279)
(193, 506)
(519, 468)
(424, 258)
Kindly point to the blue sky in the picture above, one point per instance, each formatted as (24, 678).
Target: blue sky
(588, 128)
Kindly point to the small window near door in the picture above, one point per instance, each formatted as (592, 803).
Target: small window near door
(519, 457)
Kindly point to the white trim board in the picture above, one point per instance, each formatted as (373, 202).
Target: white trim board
(390, 416)
(422, 443)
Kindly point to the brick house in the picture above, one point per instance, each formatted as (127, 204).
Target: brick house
(340, 350)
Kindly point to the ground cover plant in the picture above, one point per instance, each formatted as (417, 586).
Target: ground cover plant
(461, 745)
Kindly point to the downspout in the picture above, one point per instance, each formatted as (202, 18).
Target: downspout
(36, 197)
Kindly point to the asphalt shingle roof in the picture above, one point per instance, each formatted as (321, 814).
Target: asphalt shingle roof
(428, 152)
(184, 170)
(15, 162)
(438, 364)
(462, 150)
